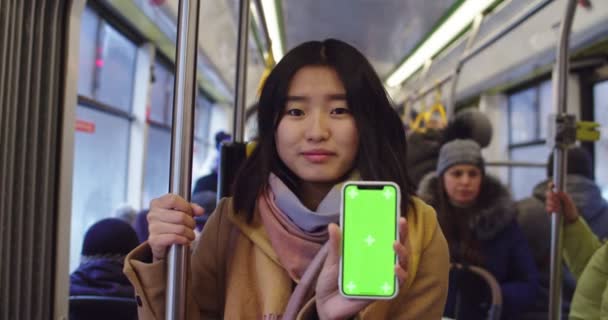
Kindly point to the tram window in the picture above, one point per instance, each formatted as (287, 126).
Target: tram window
(158, 156)
(116, 65)
(545, 103)
(522, 111)
(100, 170)
(107, 63)
(202, 118)
(161, 94)
(600, 105)
(523, 180)
(528, 112)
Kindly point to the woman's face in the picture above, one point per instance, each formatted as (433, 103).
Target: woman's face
(462, 183)
(317, 138)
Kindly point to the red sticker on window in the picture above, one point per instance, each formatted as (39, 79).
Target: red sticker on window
(85, 126)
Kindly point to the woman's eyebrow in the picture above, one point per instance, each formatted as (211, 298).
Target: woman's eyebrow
(336, 96)
(297, 98)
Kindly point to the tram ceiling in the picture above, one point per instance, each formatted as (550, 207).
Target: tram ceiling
(384, 30)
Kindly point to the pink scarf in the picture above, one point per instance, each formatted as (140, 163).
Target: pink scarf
(294, 247)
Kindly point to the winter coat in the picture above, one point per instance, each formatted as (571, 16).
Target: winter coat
(505, 251)
(588, 259)
(101, 276)
(256, 286)
(536, 225)
(206, 183)
(422, 153)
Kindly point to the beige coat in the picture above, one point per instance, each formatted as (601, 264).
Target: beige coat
(235, 273)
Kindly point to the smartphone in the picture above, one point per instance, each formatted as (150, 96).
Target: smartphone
(369, 220)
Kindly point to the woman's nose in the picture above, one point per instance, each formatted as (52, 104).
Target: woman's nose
(317, 128)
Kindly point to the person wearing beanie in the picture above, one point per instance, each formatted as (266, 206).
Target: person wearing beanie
(536, 224)
(106, 244)
(423, 147)
(477, 216)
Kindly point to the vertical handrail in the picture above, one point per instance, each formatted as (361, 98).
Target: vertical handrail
(181, 147)
(241, 73)
(560, 96)
(451, 105)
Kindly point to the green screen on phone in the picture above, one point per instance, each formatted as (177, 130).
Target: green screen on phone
(369, 231)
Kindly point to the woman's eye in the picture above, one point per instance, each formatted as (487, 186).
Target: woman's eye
(294, 112)
(340, 111)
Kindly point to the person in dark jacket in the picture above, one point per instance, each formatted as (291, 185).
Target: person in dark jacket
(536, 224)
(477, 216)
(209, 182)
(423, 147)
(105, 247)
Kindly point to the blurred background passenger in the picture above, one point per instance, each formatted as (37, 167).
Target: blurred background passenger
(477, 216)
(209, 182)
(423, 145)
(207, 200)
(536, 224)
(105, 247)
(126, 213)
(141, 225)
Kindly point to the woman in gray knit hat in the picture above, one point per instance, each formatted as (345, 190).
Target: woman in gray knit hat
(477, 216)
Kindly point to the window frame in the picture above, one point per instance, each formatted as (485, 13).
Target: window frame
(537, 140)
(114, 19)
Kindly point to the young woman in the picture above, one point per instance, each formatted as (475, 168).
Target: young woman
(477, 215)
(323, 118)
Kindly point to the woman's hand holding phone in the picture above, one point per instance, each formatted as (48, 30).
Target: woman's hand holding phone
(331, 304)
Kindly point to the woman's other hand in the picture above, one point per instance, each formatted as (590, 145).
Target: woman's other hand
(171, 221)
(560, 202)
(330, 303)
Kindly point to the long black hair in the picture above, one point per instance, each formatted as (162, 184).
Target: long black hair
(382, 147)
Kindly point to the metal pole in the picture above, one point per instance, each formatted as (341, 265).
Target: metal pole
(486, 42)
(451, 106)
(522, 164)
(560, 95)
(181, 147)
(241, 72)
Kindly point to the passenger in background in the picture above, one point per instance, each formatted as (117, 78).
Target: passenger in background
(141, 225)
(536, 224)
(423, 146)
(125, 213)
(105, 247)
(477, 216)
(209, 182)
(324, 118)
(207, 200)
(585, 256)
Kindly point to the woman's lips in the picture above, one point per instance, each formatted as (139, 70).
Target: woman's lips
(317, 156)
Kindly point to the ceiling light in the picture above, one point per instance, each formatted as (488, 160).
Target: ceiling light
(447, 31)
(274, 31)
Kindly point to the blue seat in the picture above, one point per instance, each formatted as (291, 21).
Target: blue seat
(99, 307)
